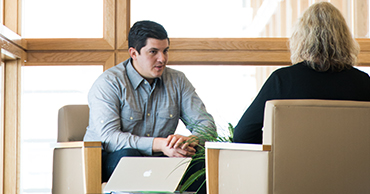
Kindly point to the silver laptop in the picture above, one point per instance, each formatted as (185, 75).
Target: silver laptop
(147, 174)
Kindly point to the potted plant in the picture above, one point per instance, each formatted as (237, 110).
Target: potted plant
(206, 134)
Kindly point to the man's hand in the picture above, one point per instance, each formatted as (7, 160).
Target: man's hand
(175, 145)
(179, 141)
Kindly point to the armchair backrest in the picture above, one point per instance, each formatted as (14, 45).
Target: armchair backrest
(318, 146)
(72, 122)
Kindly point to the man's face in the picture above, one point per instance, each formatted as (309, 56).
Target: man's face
(152, 60)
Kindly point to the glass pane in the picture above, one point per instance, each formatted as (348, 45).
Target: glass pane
(62, 19)
(227, 91)
(240, 18)
(44, 91)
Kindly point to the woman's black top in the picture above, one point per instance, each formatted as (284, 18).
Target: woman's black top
(300, 81)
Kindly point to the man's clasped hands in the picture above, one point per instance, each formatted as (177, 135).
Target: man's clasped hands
(176, 145)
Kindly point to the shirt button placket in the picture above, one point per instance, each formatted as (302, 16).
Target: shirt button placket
(149, 122)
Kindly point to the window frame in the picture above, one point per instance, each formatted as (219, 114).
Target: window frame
(12, 58)
(112, 48)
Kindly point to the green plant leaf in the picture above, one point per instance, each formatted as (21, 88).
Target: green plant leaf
(205, 133)
(192, 179)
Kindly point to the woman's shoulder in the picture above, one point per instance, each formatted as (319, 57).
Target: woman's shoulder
(291, 69)
(359, 73)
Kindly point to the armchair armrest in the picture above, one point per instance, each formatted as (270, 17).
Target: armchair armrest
(237, 167)
(78, 166)
(78, 144)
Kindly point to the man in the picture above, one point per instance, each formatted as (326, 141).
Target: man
(135, 106)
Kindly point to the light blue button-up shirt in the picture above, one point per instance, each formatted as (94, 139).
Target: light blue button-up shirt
(128, 112)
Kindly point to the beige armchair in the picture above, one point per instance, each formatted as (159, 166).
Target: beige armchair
(309, 146)
(76, 164)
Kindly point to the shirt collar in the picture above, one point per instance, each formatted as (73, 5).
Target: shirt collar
(135, 78)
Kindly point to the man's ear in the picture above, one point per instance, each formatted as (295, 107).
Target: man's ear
(133, 53)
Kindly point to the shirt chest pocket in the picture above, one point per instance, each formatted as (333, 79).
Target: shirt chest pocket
(130, 119)
(167, 114)
(167, 120)
(133, 116)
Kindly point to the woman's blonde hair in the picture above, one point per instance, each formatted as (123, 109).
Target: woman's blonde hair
(322, 38)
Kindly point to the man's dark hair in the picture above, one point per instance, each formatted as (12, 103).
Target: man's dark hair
(142, 30)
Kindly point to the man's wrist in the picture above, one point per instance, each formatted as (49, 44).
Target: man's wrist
(158, 143)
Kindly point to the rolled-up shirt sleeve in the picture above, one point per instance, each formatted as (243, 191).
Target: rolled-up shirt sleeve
(193, 111)
(105, 102)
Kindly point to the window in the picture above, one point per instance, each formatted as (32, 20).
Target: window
(62, 19)
(44, 91)
(240, 18)
(226, 91)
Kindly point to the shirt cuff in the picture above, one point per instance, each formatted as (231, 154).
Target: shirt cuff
(145, 145)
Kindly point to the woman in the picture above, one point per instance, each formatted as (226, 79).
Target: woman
(323, 53)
